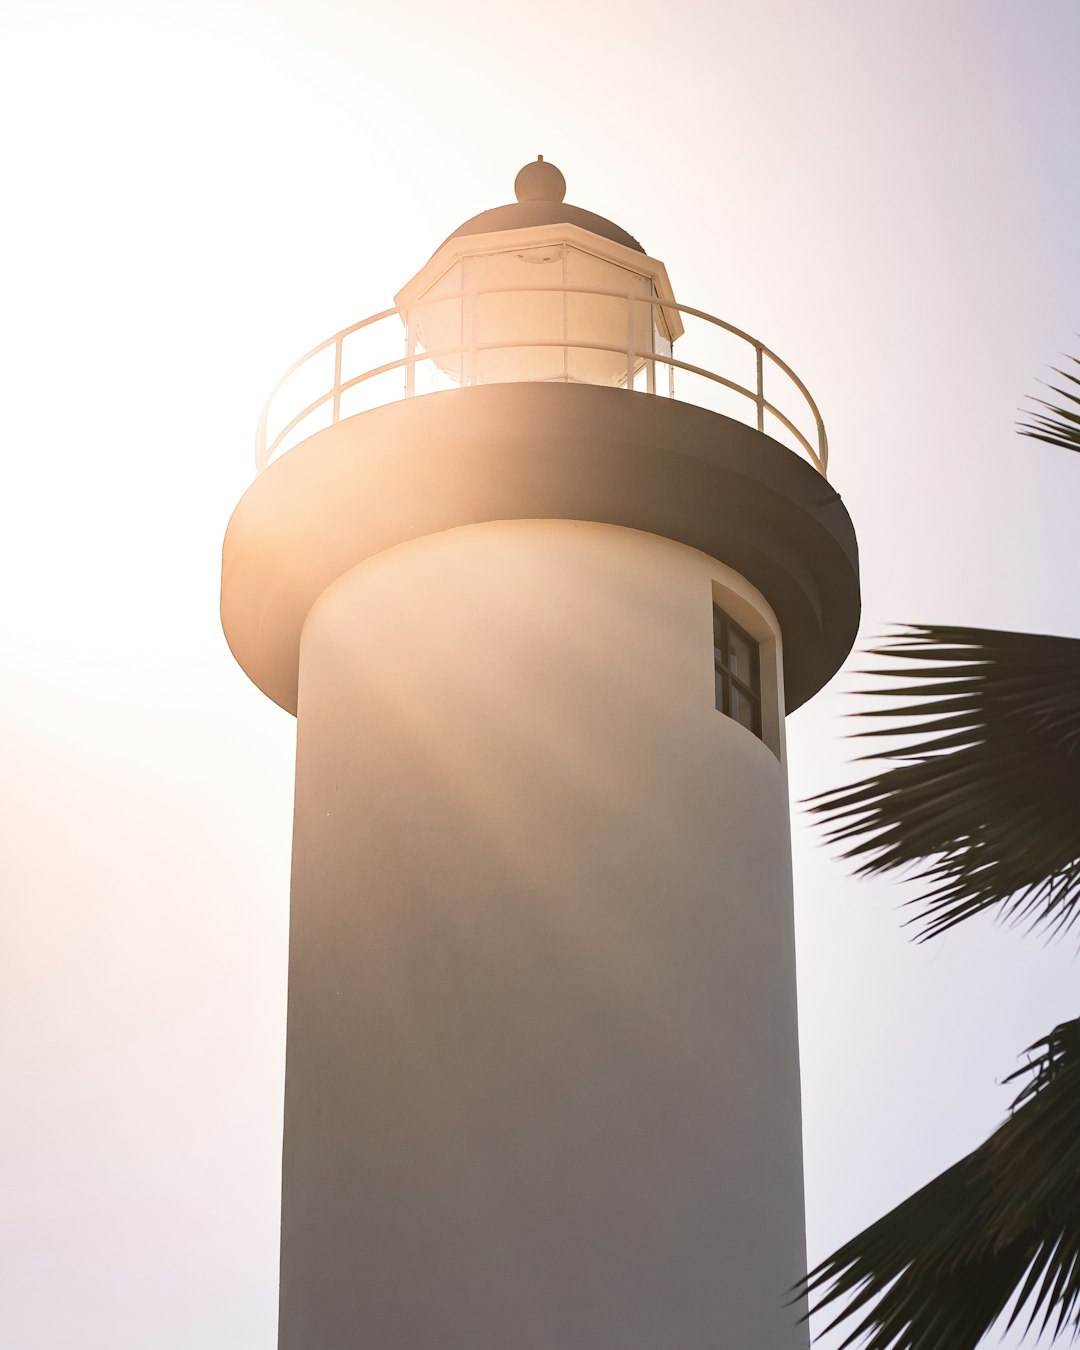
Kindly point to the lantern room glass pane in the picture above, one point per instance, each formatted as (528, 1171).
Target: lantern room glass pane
(615, 321)
(511, 298)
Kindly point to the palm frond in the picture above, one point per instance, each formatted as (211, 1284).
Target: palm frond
(981, 798)
(1001, 1226)
(1059, 424)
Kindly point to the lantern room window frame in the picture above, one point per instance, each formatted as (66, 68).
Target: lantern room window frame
(646, 311)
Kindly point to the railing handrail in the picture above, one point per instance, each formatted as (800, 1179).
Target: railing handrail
(335, 340)
(818, 457)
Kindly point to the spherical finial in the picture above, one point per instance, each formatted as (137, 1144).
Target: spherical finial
(540, 182)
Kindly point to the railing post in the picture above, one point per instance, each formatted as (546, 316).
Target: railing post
(650, 365)
(260, 438)
(410, 356)
(823, 444)
(337, 380)
(760, 387)
(469, 353)
(629, 342)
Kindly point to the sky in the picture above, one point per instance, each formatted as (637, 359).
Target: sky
(198, 192)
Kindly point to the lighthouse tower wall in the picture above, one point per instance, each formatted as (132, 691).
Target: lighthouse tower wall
(542, 1081)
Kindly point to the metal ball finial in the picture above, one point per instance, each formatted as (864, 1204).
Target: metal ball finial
(540, 182)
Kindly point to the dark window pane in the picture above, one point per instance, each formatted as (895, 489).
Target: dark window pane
(719, 632)
(721, 691)
(741, 658)
(744, 709)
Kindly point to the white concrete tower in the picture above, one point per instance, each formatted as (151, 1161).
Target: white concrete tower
(540, 621)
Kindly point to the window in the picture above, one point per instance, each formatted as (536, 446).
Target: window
(737, 663)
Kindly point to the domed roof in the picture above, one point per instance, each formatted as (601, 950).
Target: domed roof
(539, 189)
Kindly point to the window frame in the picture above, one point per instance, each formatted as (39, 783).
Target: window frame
(724, 677)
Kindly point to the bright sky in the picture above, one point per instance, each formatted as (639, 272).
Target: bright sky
(196, 192)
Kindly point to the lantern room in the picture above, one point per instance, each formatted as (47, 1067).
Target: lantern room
(541, 291)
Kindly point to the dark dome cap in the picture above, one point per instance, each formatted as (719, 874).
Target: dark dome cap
(539, 182)
(540, 189)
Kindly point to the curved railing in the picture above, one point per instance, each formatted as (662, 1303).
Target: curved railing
(641, 374)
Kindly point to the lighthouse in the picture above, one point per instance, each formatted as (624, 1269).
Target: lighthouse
(540, 607)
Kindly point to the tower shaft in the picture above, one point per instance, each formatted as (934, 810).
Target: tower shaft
(542, 1083)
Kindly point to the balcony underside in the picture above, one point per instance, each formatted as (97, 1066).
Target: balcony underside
(539, 451)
